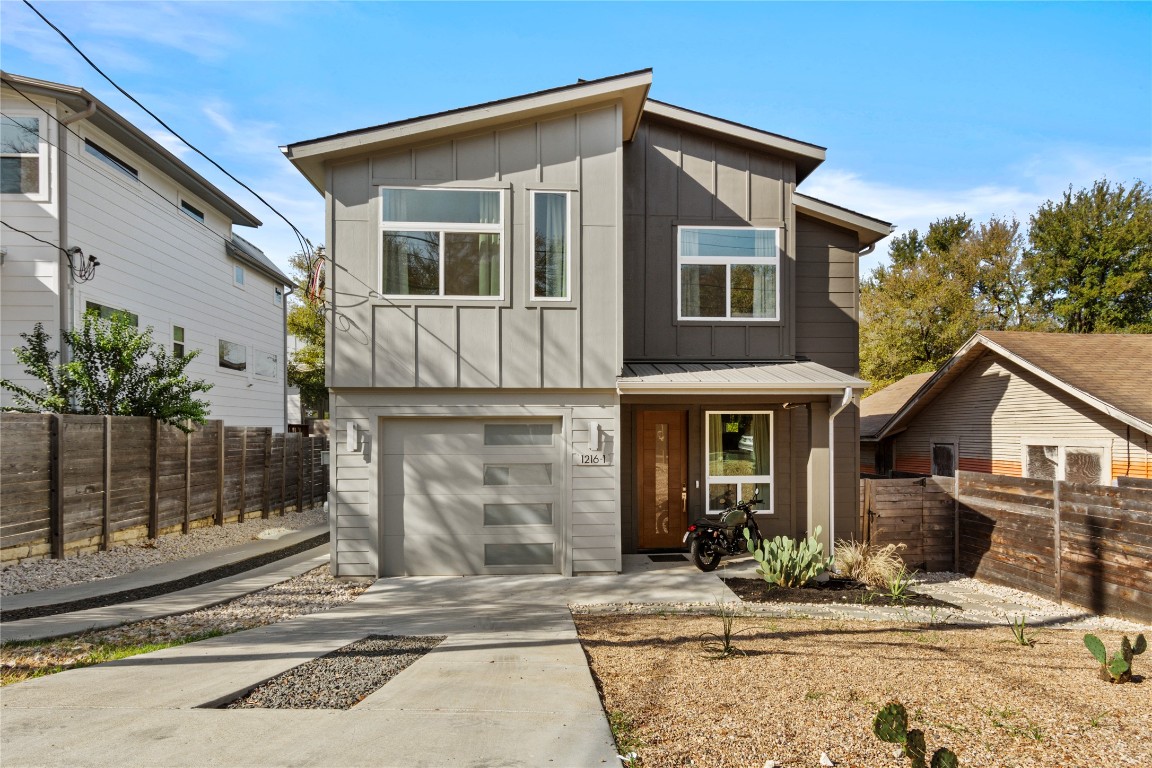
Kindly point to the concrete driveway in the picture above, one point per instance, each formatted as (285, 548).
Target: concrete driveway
(508, 687)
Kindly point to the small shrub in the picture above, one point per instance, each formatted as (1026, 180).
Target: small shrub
(899, 586)
(722, 645)
(1020, 633)
(871, 565)
(1118, 669)
(891, 725)
(787, 562)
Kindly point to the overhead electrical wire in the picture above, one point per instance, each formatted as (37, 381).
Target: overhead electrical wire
(83, 273)
(305, 244)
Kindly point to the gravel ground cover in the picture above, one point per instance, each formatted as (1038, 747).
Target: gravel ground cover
(36, 575)
(341, 679)
(799, 687)
(312, 592)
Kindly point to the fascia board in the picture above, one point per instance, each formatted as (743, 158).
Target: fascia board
(809, 155)
(630, 90)
(868, 229)
(737, 388)
(116, 126)
(239, 254)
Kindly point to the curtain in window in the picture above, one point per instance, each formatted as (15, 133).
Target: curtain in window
(551, 242)
(764, 284)
(489, 272)
(715, 441)
(762, 440)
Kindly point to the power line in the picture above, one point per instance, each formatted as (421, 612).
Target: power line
(305, 245)
(87, 269)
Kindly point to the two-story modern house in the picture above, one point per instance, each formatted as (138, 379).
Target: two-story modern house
(567, 323)
(77, 175)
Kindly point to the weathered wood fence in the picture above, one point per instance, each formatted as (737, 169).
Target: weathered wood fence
(918, 513)
(1087, 545)
(80, 483)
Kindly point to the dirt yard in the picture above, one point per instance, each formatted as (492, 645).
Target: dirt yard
(800, 687)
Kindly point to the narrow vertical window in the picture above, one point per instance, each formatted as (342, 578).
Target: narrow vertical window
(550, 247)
(177, 341)
(237, 275)
(278, 296)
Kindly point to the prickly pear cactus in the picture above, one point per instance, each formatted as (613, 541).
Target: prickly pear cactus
(1096, 648)
(944, 758)
(891, 723)
(917, 748)
(1117, 669)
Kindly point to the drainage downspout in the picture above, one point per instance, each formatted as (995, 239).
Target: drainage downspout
(845, 401)
(67, 285)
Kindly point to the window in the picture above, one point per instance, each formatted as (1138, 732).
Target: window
(539, 513)
(238, 275)
(233, 356)
(739, 451)
(192, 210)
(550, 246)
(728, 273)
(177, 341)
(517, 474)
(518, 434)
(110, 159)
(944, 459)
(441, 242)
(23, 162)
(278, 296)
(107, 313)
(1072, 463)
(267, 364)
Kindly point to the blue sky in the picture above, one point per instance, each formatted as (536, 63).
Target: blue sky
(927, 110)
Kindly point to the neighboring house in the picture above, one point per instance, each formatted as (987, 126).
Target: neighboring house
(78, 175)
(568, 323)
(1063, 406)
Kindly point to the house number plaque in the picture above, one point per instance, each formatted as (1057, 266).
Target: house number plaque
(594, 459)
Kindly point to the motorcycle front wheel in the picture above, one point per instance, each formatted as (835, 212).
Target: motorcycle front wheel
(704, 556)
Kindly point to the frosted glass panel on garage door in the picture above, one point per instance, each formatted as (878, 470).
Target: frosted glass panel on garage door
(517, 514)
(518, 434)
(517, 474)
(518, 554)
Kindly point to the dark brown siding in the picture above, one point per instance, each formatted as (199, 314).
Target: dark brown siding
(827, 330)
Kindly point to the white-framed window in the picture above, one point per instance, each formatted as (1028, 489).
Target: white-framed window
(267, 364)
(278, 295)
(191, 210)
(551, 246)
(105, 312)
(1075, 462)
(233, 356)
(23, 154)
(739, 451)
(728, 273)
(98, 151)
(238, 275)
(442, 242)
(178, 341)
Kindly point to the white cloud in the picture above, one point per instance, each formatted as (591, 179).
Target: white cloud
(170, 143)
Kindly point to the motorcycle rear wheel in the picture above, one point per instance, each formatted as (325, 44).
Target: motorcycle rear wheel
(704, 557)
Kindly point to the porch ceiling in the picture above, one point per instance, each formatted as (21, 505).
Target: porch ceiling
(805, 378)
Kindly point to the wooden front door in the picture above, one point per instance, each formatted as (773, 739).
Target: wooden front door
(662, 477)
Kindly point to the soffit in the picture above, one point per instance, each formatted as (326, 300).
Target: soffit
(116, 126)
(869, 229)
(803, 377)
(630, 90)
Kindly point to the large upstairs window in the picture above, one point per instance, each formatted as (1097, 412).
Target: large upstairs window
(442, 242)
(728, 273)
(23, 155)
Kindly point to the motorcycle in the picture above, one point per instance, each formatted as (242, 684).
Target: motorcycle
(709, 540)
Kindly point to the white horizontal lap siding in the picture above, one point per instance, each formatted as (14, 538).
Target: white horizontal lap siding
(996, 406)
(169, 269)
(595, 501)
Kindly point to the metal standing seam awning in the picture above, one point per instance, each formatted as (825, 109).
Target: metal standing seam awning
(806, 378)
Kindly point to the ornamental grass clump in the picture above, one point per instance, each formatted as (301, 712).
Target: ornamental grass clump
(867, 563)
(788, 562)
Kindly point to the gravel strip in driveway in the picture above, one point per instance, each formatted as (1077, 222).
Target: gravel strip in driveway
(341, 679)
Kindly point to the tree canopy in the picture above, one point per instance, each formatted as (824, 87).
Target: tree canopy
(113, 369)
(306, 323)
(1085, 266)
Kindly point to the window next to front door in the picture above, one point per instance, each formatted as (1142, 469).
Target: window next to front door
(739, 451)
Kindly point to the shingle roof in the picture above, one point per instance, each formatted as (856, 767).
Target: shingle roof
(1115, 368)
(877, 408)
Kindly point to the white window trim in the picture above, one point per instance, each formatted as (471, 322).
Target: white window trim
(727, 261)
(239, 269)
(199, 216)
(46, 139)
(278, 295)
(1062, 446)
(232, 371)
(500, 228)
(770, 502)
(275, 376)
(567, 246)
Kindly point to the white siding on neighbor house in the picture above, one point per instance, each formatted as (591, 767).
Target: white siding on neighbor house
(995, 406)
(160, 264)
(30, 274)
(592, 530)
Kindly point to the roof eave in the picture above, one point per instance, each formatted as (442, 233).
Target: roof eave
(632, 387)
(630, 90)
(238, 253)
(112, 123)
(868, 229)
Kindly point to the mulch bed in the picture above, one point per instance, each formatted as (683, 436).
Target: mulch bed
(153, 590)
(831, 592)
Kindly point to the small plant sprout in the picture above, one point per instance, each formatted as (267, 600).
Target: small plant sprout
(722, 645)
(891, 725)
(1117, 669)
(899, 586)
(1020, 633)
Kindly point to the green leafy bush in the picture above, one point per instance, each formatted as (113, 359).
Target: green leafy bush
(891, 725)
(787, 562)
(1118, 669)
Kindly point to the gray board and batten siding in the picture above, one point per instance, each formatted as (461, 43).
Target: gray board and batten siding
(513, 342)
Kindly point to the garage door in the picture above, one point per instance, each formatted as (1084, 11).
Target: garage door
(463, 496)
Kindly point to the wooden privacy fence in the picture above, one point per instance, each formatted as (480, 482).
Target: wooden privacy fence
(918, 513)
(1088, 545)
(77, 483)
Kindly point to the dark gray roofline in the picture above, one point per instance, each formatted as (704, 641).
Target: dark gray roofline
(111, 122)
(738, 125)
(253, 256)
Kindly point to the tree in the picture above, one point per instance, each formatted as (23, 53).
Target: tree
(306, 323)
(1090, 261)
(114, 369)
